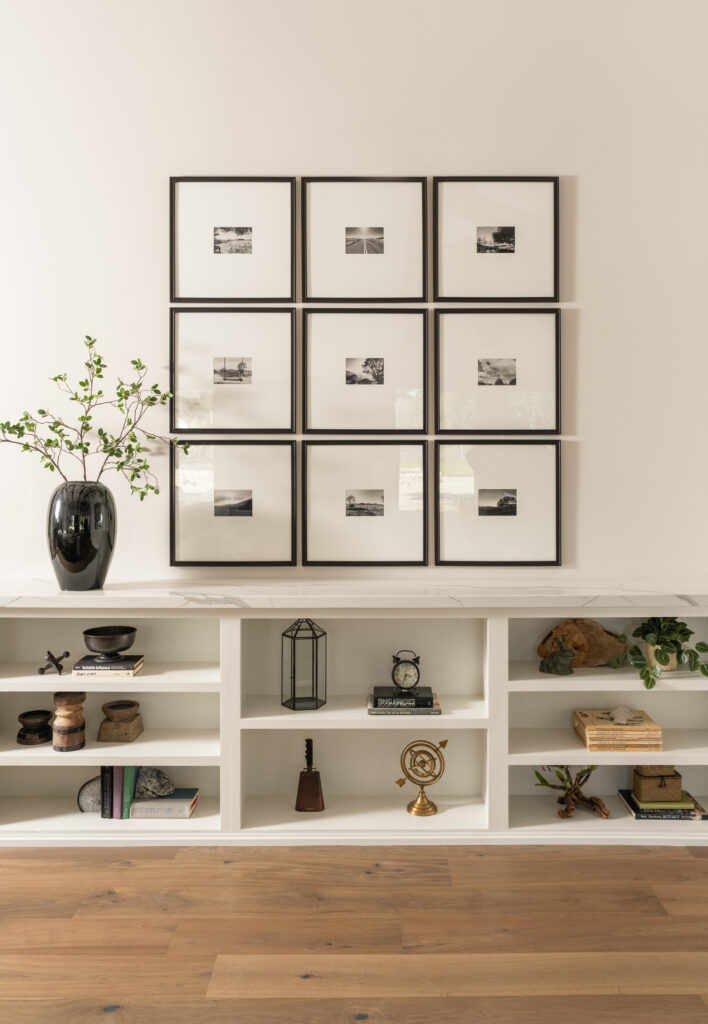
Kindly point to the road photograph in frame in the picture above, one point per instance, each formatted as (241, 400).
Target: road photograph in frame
(497, 503)
(364, 239)
(495, 239)
(233, 503)
(364, 503)
(497, 371)
(232, 239)
(232, 371)
(365, 371)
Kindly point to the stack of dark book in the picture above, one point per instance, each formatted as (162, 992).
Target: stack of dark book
(118, 798)
(93, 665)
(687, 808)
(390, 700)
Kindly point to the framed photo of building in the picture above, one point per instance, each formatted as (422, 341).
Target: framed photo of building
(364, 503)
(364, 239)
(497, 503)
(497, 371)
(233, 503)
(232, 371)
(495, 239)
(365, 371)
(232, 239)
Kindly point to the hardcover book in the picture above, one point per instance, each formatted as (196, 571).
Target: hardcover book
(106, 792)
(698, 813)
(124, 665)
(410, 710)
(393, 697)
(117, 791)
(179, 804)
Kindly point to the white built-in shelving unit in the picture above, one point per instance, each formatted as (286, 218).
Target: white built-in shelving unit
(210, 700)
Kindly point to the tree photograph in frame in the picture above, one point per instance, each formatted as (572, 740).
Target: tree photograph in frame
(232, 239)
(495, 239)
(365, 371)
(348, 221)
(232, 371)
(364, 503)
(233, 503)
(497, 503)
(497, 371)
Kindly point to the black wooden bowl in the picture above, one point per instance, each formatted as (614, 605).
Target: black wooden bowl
(108, 642)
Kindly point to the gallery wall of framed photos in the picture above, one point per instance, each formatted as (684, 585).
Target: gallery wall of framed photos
(275, 358)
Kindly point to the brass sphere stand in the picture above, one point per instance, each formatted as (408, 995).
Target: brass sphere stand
(421, 806)
(422, 763)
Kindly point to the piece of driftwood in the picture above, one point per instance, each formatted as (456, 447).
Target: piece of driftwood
(592, 644)
(574, 799)
(571, 786)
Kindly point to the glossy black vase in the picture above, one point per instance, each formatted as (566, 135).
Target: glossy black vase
(81, 532)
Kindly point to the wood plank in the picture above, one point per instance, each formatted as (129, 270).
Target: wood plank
(683, 900)
(698, 851)
(593, 867)
(106, 977)
(585, 931)
(70, 854)
(283, 933)
(314, 976)
(32, 901)
(564, 1008)
(42, 935)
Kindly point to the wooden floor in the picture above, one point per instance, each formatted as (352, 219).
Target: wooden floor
(338, 935)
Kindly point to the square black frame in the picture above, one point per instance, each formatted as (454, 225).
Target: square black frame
(293, 504)
(174, 181)
(466, 440)
(308, 444)
(189, 431)
(437, 297)
(497, 309)
(423, 297)
(306, 313)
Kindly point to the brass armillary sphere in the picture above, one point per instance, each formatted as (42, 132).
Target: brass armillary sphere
(422, 763)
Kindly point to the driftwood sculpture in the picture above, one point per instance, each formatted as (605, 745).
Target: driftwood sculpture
(571, 787)
(591, 643)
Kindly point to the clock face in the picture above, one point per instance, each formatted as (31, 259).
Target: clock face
(406, 674)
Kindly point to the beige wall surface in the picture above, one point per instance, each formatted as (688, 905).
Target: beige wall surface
(102, 102)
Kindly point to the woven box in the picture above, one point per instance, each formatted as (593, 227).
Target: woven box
(649, 784)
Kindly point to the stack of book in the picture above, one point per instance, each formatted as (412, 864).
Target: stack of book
(118, 797)
(685, 809)
(388, 700)
(598, 731)
(124, 665)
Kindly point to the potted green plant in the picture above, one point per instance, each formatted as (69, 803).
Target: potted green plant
(81, 526)
(666, 647)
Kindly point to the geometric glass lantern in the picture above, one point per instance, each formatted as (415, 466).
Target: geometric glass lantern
(303, 666)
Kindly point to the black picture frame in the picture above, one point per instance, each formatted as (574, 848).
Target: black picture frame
(458, 432)
(174, 297)
(553, 442)
(306, 446)
(307, 313)
(177, 311)
(437, 297)
(174, 562)
(423, 297)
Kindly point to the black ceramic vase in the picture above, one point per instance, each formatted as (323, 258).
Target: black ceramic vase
(81, 532)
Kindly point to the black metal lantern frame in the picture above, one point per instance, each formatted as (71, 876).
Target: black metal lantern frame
(303, 666)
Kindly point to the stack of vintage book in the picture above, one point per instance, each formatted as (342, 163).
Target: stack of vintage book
(118, 798)
(390, 700)
(686, 808)
(92, 665)
(599, 730)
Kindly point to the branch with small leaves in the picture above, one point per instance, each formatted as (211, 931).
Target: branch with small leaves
(571, 787)
(122, 450)
(666, 638)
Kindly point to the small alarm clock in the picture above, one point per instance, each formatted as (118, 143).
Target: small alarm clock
(406, 671)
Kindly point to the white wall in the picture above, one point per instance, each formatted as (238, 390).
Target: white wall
(102, 102)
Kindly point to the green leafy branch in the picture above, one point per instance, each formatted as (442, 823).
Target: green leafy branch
(124, 450)
(665, 637)
(565, 776)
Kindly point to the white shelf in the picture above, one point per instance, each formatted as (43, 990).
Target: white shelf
(158, 747)
(562, 746)
(524, 677)
(537, 815)
(349, 712)
(156, 677)
(60, 815)
(365, 815)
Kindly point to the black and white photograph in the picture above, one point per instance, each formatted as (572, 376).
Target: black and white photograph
(496, 371)
(362, 217)
(364, 503)
(233, 503)
(218, 390)
(214, 220)
(476, 220)
(233, 241)
(500, 239)
(369, 370)
(233, 370)
(364, 241)
(493, 502)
